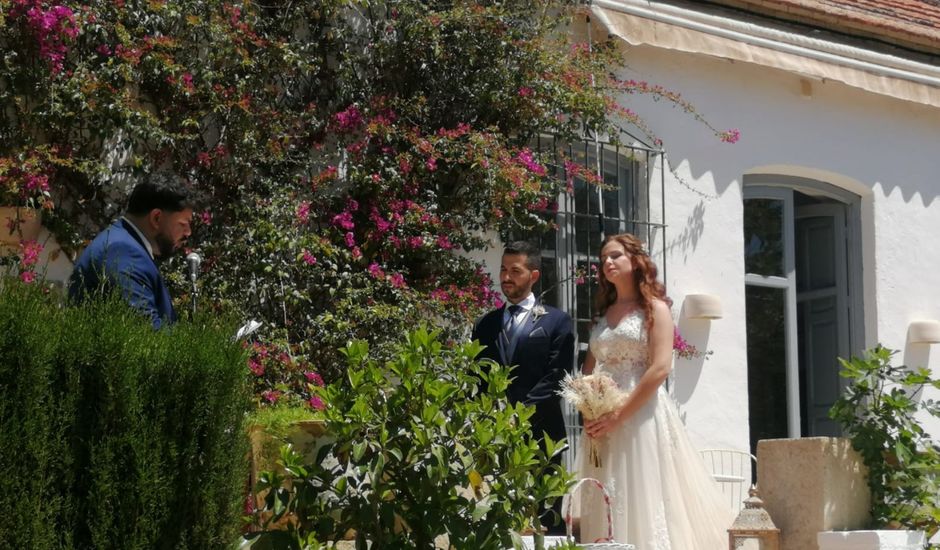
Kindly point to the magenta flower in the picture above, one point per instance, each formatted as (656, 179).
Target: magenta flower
(381, 224)
(51, 28)
(526, 159)
(309, 258)
(376, 271)
(397, 280)
(316, 403)
(256, 367)
(404, 165)
(444, 242)
(350, 240)
(313, 378)
(344, 220)
(303, 212)
(36, 182)
(349, 118)
(684, 349)
(29, 253)
(27, 276)
(730, 136)
(271, 396)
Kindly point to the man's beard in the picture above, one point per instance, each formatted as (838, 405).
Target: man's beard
(515, 292)
(165, 246)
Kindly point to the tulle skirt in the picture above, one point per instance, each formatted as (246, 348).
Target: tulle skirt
(662, 497)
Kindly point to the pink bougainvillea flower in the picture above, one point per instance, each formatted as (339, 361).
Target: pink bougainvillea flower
(397, 280)
(376, 271)
(525, 158)
(344, 220)
(313, 378)
(444, 242)
(730, 136)
(271, 396)
(303, 212)
(349, 118)
(256, 367)
(29, 253)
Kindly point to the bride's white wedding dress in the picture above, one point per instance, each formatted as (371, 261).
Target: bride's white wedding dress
(662, 496)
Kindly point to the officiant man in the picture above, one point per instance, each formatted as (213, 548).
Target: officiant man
(538, 339)
(124, 256)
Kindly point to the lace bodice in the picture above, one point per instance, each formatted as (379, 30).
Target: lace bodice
(621, 351)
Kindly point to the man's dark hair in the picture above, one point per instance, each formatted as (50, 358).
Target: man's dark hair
(163, 190)
(532, 253)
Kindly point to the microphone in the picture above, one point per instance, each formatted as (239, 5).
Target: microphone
(192, 261)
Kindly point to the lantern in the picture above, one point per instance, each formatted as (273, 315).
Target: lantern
(753, 529)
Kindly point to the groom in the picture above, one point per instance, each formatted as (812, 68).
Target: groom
(536, 338)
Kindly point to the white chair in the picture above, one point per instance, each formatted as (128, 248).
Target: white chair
(732, 469)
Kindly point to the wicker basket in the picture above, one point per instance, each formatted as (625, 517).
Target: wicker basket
(604, 543)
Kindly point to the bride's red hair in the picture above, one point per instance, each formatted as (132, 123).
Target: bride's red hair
(644, 277)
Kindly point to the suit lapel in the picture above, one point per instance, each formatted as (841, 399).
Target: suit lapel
(501, 343)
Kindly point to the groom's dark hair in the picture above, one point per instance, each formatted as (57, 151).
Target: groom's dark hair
(532, 253)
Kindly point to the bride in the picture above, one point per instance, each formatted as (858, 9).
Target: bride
(662, 496)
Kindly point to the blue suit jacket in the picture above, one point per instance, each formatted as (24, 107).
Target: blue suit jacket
(117, 259)
(543, 353)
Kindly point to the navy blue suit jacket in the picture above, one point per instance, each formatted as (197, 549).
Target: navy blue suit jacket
(118, 259)
(543, 353)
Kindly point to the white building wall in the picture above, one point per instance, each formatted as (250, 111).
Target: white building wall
(882, 149)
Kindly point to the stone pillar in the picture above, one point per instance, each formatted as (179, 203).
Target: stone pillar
(811, 485)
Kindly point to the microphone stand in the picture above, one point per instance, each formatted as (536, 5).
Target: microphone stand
(192, 279)
(192, 262)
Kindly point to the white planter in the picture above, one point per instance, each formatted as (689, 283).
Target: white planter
(871, 540)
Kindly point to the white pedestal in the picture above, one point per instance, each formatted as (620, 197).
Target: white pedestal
(870, 540)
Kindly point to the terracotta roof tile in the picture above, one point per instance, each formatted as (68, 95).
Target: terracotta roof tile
(912, 24)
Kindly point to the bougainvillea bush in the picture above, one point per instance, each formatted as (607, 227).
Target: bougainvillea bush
(348, 154)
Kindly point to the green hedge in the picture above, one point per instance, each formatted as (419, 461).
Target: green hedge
(113, 435)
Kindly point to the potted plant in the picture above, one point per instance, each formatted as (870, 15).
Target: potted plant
(879, 413)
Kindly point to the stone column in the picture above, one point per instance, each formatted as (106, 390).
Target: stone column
(811, 485)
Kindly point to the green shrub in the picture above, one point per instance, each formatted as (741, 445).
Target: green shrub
(879, 413)
(113, 435)
(424, 446)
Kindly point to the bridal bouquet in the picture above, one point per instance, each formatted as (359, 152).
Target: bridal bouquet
(594, 395)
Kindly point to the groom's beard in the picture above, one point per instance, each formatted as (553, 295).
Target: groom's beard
(515, 293)
(165, 246)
